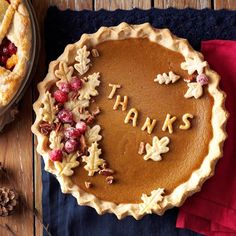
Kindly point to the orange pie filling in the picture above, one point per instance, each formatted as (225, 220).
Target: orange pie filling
(154, 118)
(133, 64)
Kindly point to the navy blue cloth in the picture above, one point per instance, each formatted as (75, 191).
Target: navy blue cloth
(60, 211)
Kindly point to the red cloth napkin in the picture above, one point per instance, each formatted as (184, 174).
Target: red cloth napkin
(213, 210)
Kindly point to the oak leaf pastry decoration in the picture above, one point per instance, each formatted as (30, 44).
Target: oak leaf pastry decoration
(64, 73)
(55, 139)
(75, 106)
(92, 134)
(193, 64)
(158, 147)
(93, 162)
(194, 90)
(47, 110)
(89, 86)
(166, 79)
(83, 61)
(150, 203)
(68, 163)
(77, 116)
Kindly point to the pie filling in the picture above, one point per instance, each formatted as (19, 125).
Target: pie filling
(133, 64)
(8, 57)
(131, 128)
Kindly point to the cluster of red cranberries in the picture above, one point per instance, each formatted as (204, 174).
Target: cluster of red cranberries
(73, 133)
(7, 49)
(61, 95)
(72, 137)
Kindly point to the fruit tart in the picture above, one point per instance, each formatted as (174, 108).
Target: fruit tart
(15, 46)
(130, 120)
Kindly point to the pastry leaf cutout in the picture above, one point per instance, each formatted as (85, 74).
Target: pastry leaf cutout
(80, 116)
(93, 162)
(150, 203)
(158, 147)
(83, 61)
(193, 64)
(194, 90)
(68, 163)
(92, 134)
(55, 139)
(77, 107)
(166, 79)
(64, 73)
(89, 86)
(47, 110)
(3, 9)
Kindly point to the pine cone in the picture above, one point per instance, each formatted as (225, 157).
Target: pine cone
(8, 201)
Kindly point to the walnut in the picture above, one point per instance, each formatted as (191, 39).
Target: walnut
(106, 172)
(110, 179)
(141, 148)
(83, 146)
(96, 111)
(88, 184)
(90, 119)
(45, 128)
(95, 52)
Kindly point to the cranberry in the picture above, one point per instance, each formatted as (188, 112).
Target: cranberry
(76, 83)
(12, 48)
(65, 116)
(56, 155)
(3, 60)
(71, 145)
(64, 87)
(72, 133)
(5, 51)
(81, 127)
(60, 96)
(202, 79)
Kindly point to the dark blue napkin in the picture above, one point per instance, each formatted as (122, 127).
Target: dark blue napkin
(60, 211)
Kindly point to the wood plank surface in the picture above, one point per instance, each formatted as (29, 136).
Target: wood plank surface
(226, 4)
(42, 7)
(123, 4)
(74, 5)
(198, 4)
(16, 156)
(16, 143)
(112, 4)
(143, 4)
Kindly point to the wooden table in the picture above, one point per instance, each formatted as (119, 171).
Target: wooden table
(17, 151)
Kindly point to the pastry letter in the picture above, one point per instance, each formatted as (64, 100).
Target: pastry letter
(132, 115)
(186, 121)
(168, 123)
(120, 103)
(148, 125)
(113, 90)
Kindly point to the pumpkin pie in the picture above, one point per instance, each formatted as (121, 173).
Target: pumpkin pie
(15, 47)
(130, 120)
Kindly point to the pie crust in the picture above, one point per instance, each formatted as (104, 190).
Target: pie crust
(16, 27)
(164, 38)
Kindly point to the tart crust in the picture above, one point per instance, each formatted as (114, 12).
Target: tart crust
(218, 121)
(16, 26)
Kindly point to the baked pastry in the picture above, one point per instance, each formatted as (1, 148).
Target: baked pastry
(130, 120)
(15, 46)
